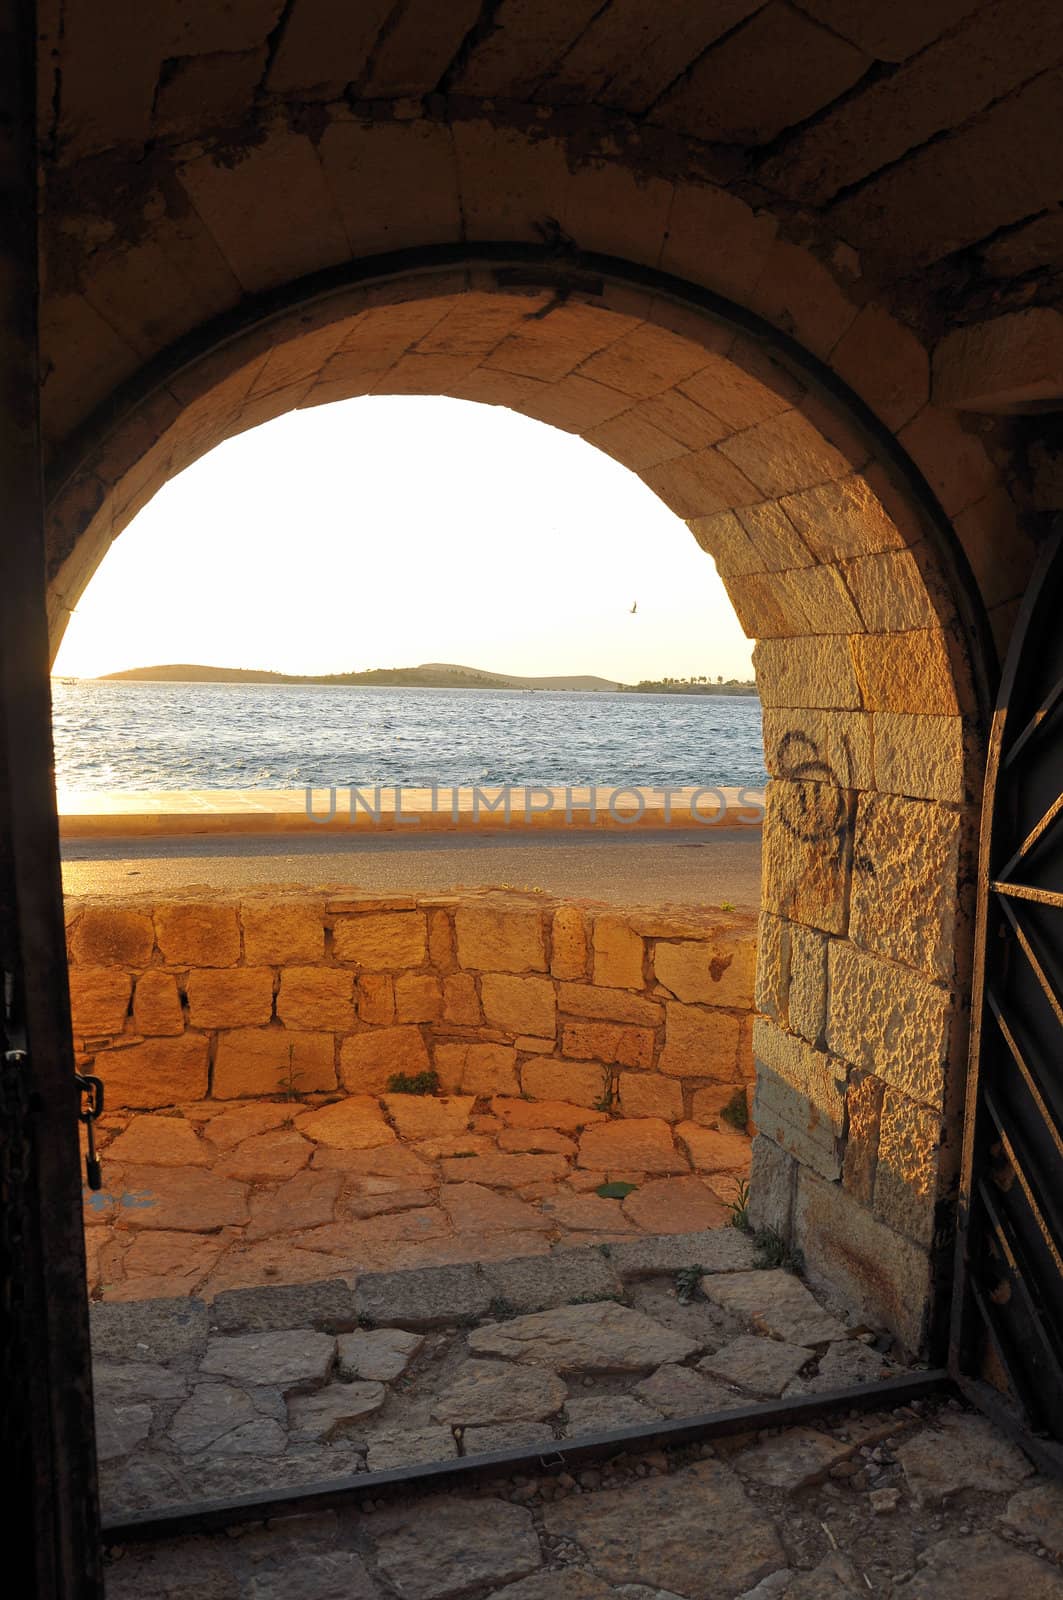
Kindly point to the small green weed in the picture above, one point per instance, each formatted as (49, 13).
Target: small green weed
(616, 1190)
(736, 1111)
(414, 1083)
(686, 1283)
(726, 905)
(740, 1208)
(773, 1251)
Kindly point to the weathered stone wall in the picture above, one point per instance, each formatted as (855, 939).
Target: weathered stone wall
(643, 1013)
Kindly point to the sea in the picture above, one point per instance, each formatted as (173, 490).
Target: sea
(147, 736)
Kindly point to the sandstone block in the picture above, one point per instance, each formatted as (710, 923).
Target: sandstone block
(99, 999)
(110, 936)
(159, 1142)
(650, 1094)
(418, 997)
(500, 938)
(905, 890)
(193, 934)
(559, 1114)
(316, 997)
(837, 742)
(908, 672)
(815, 671)
(711, 1150)
(920, 756)
(482, 1544)
(906, 1176)
(885, 1277)
(427, 1116)
(569, 944)
(890, 1021)
(773, 966)
(612, 1005)
(599, 1337)
(519, 1005)
(813, 1075)
(963, 1453)
(719, 973)
(807, 1000)
(441, 941)
(352, 1124)
(699, 1044)
(771, 1187)
(376, 998)
(478, 1069)
(488, 1391)
(241, 997)
(708, 1105)
(864, 1113)
(157, 1004)
(267, 1157)
(461, 1003)
(382, 939)
(581, 1082)
(269, 1061)
(159, 1072)
(765, 1366)
(807, 851)
(184, 1199)
(675, 1205)
(370, 1059)
(643, 1144)
(619, 954)
(281, 934)
(608, 1042)
(784, 1116)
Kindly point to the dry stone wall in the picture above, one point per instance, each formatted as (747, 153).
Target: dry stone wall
(639, 1013)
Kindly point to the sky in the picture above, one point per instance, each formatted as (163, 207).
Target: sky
(388, 531)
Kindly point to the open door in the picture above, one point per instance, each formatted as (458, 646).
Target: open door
(50, 1515)
(1007, 1328)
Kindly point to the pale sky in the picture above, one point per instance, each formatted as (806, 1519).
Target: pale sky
(393, 530)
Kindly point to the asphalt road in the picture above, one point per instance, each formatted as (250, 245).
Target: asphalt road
(696, 866)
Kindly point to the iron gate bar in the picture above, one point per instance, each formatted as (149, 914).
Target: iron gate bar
(1035, 724)
(1026, 891)
(429, 1477)
(1026, 941)
(1012, 1252)
(1036, 832)
(1020, 1061)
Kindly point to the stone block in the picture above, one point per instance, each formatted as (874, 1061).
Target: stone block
(461, 1003)
(538, 1283)
(429, 1297)
(608, 1042)
(905, 882)
(884, 1277)
(476, 1069)
(816, 1076)
(316, 997)
(715, 973)
(842, 519)
(644, 1144)
(109, 936)
(771, 1187)
(650, 1094)
(906, 1176)
(196, 934)
(807, 852)
(712, 1150)
(1004, 364)
(568, 959)
(182, 1199)
(863, 1102)
(418, 997)
(518, 1004)
(441, 951)
(890, 593)
(159, 1142)
(496, 938)
(814, 672)
(611, 1005)
(157, 1004)
(699, 1044)
(784, 1116)
(352, 1124)
(884, 362)
(159, 1072)
(241, 997)
(368, 1060)
(270, 1061)
(376, 998)
(282, 934)
(619, 954)
(99, 999)
(327, 1306)
(773, 966)
(920, 756)
(910, 672)
(380, 940)
(808, 982)
(581, 1082)
(164, 1330)
(889, 1021)
(707, 1105)
(836, 744)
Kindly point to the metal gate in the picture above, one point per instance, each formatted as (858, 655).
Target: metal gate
(1007, 1321)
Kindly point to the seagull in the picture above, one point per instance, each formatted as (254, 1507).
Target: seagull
(634, 608)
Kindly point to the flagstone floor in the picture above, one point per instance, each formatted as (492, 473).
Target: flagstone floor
(217, 1196)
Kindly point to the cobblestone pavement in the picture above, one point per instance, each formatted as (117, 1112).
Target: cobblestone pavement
(220, 1195)
(274, 1387)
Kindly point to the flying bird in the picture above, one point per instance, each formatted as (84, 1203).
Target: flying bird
(634, 608)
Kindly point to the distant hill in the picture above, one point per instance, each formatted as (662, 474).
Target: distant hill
(430, 675)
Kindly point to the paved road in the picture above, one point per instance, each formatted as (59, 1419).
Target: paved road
(695, 866)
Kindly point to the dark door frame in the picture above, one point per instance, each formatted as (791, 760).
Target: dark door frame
(51, 1516)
